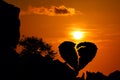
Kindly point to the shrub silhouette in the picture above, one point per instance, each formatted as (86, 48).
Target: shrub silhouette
(36, 58)
(33, 45)
(35, 65)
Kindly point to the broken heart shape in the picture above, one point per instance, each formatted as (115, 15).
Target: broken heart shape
(77, 55)
(86, 51)
(68, 53)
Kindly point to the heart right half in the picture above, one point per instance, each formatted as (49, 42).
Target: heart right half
(86, 51)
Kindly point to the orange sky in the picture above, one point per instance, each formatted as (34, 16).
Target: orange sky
(53, 20)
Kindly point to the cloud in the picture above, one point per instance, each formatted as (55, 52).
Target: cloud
(52, 11)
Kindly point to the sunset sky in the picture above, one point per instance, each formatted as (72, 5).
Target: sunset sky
(55, 21)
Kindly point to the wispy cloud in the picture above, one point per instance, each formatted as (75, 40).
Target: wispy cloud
(52, 11)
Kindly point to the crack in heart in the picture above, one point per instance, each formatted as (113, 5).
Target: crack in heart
(86, 52)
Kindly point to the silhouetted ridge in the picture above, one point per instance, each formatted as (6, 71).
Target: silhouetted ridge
(9, 24)
(9, 38)
(95, 76)
(100, 76)
(114, 75)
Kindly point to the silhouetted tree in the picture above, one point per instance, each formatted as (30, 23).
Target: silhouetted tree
(36, 58)
(37, 66)
(33, 45)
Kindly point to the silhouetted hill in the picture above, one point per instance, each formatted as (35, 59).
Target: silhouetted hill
(9, 38)
(95, 76)
(114, 75)
(9, 24)
(100, 76)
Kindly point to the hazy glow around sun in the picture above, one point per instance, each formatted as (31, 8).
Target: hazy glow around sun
(77, 33)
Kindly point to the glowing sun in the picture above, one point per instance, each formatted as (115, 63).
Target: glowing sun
(77, 35)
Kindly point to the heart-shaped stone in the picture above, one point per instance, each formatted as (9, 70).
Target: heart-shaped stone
(68, 53)
(86, 52)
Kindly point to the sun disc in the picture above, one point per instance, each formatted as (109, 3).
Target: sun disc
(77, 35)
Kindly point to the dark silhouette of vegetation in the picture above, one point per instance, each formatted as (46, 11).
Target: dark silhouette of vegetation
(36, 58)
(36, 61)
(33, 45)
